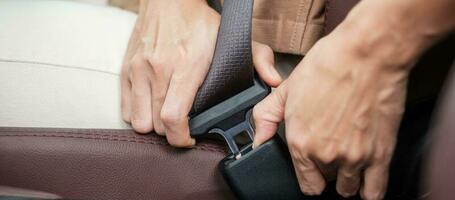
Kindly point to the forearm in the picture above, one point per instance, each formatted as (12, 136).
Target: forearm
(399, 30)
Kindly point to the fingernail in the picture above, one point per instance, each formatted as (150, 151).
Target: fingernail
(275, 73)
(191, 144)
(255, 144)
(192, 141)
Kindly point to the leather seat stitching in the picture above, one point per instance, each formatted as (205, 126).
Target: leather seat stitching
(154, 142)
(100, 135)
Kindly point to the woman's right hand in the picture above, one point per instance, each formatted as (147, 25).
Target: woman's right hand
(168, 57)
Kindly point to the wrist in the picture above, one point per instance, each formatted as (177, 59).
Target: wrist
(382, 31)
(172, 9)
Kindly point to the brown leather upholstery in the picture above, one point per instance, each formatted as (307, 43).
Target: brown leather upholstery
(109, 164)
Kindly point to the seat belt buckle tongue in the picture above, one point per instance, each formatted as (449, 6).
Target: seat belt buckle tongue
(263, 173)
(230, 134)
(231, 117)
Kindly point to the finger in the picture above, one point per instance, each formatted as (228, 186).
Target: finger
(348, 181)
(125, 86)
(375, 182)
(267, 115)
(354, 157)
(174, 114)
(263, 60)
(159, 94)
(311, 180)
(141, 108)
(160, 82)
(310, 177)
(133, 45)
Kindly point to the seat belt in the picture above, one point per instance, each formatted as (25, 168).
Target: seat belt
(223, 106)
(231, 70)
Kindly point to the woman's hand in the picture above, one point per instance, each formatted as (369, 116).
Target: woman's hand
(168, 57)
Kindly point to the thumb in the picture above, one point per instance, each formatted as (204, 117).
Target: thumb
(264, 61)
(267, 115)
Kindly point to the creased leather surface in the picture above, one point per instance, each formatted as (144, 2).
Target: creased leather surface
(231, 70)
(109, 164)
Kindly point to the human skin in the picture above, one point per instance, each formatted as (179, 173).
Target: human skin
(167, 59)
(343, 103)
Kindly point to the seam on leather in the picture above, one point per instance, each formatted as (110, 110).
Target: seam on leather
(101, 134)
(79, 133)
(57, 65)
(94, 132)
(203, 148)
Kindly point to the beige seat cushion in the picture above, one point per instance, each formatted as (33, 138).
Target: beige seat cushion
(60, 64)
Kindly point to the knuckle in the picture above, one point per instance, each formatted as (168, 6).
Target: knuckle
(137, 64)
(350, 175)
(171, 116)
(157, 62)
(354, 157)
(326, 156)
(152, 58)
(382, 156)
(296, 145)
(141, 126)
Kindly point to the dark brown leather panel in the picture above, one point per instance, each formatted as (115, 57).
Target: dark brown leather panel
(109, 164)
(335, 12)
